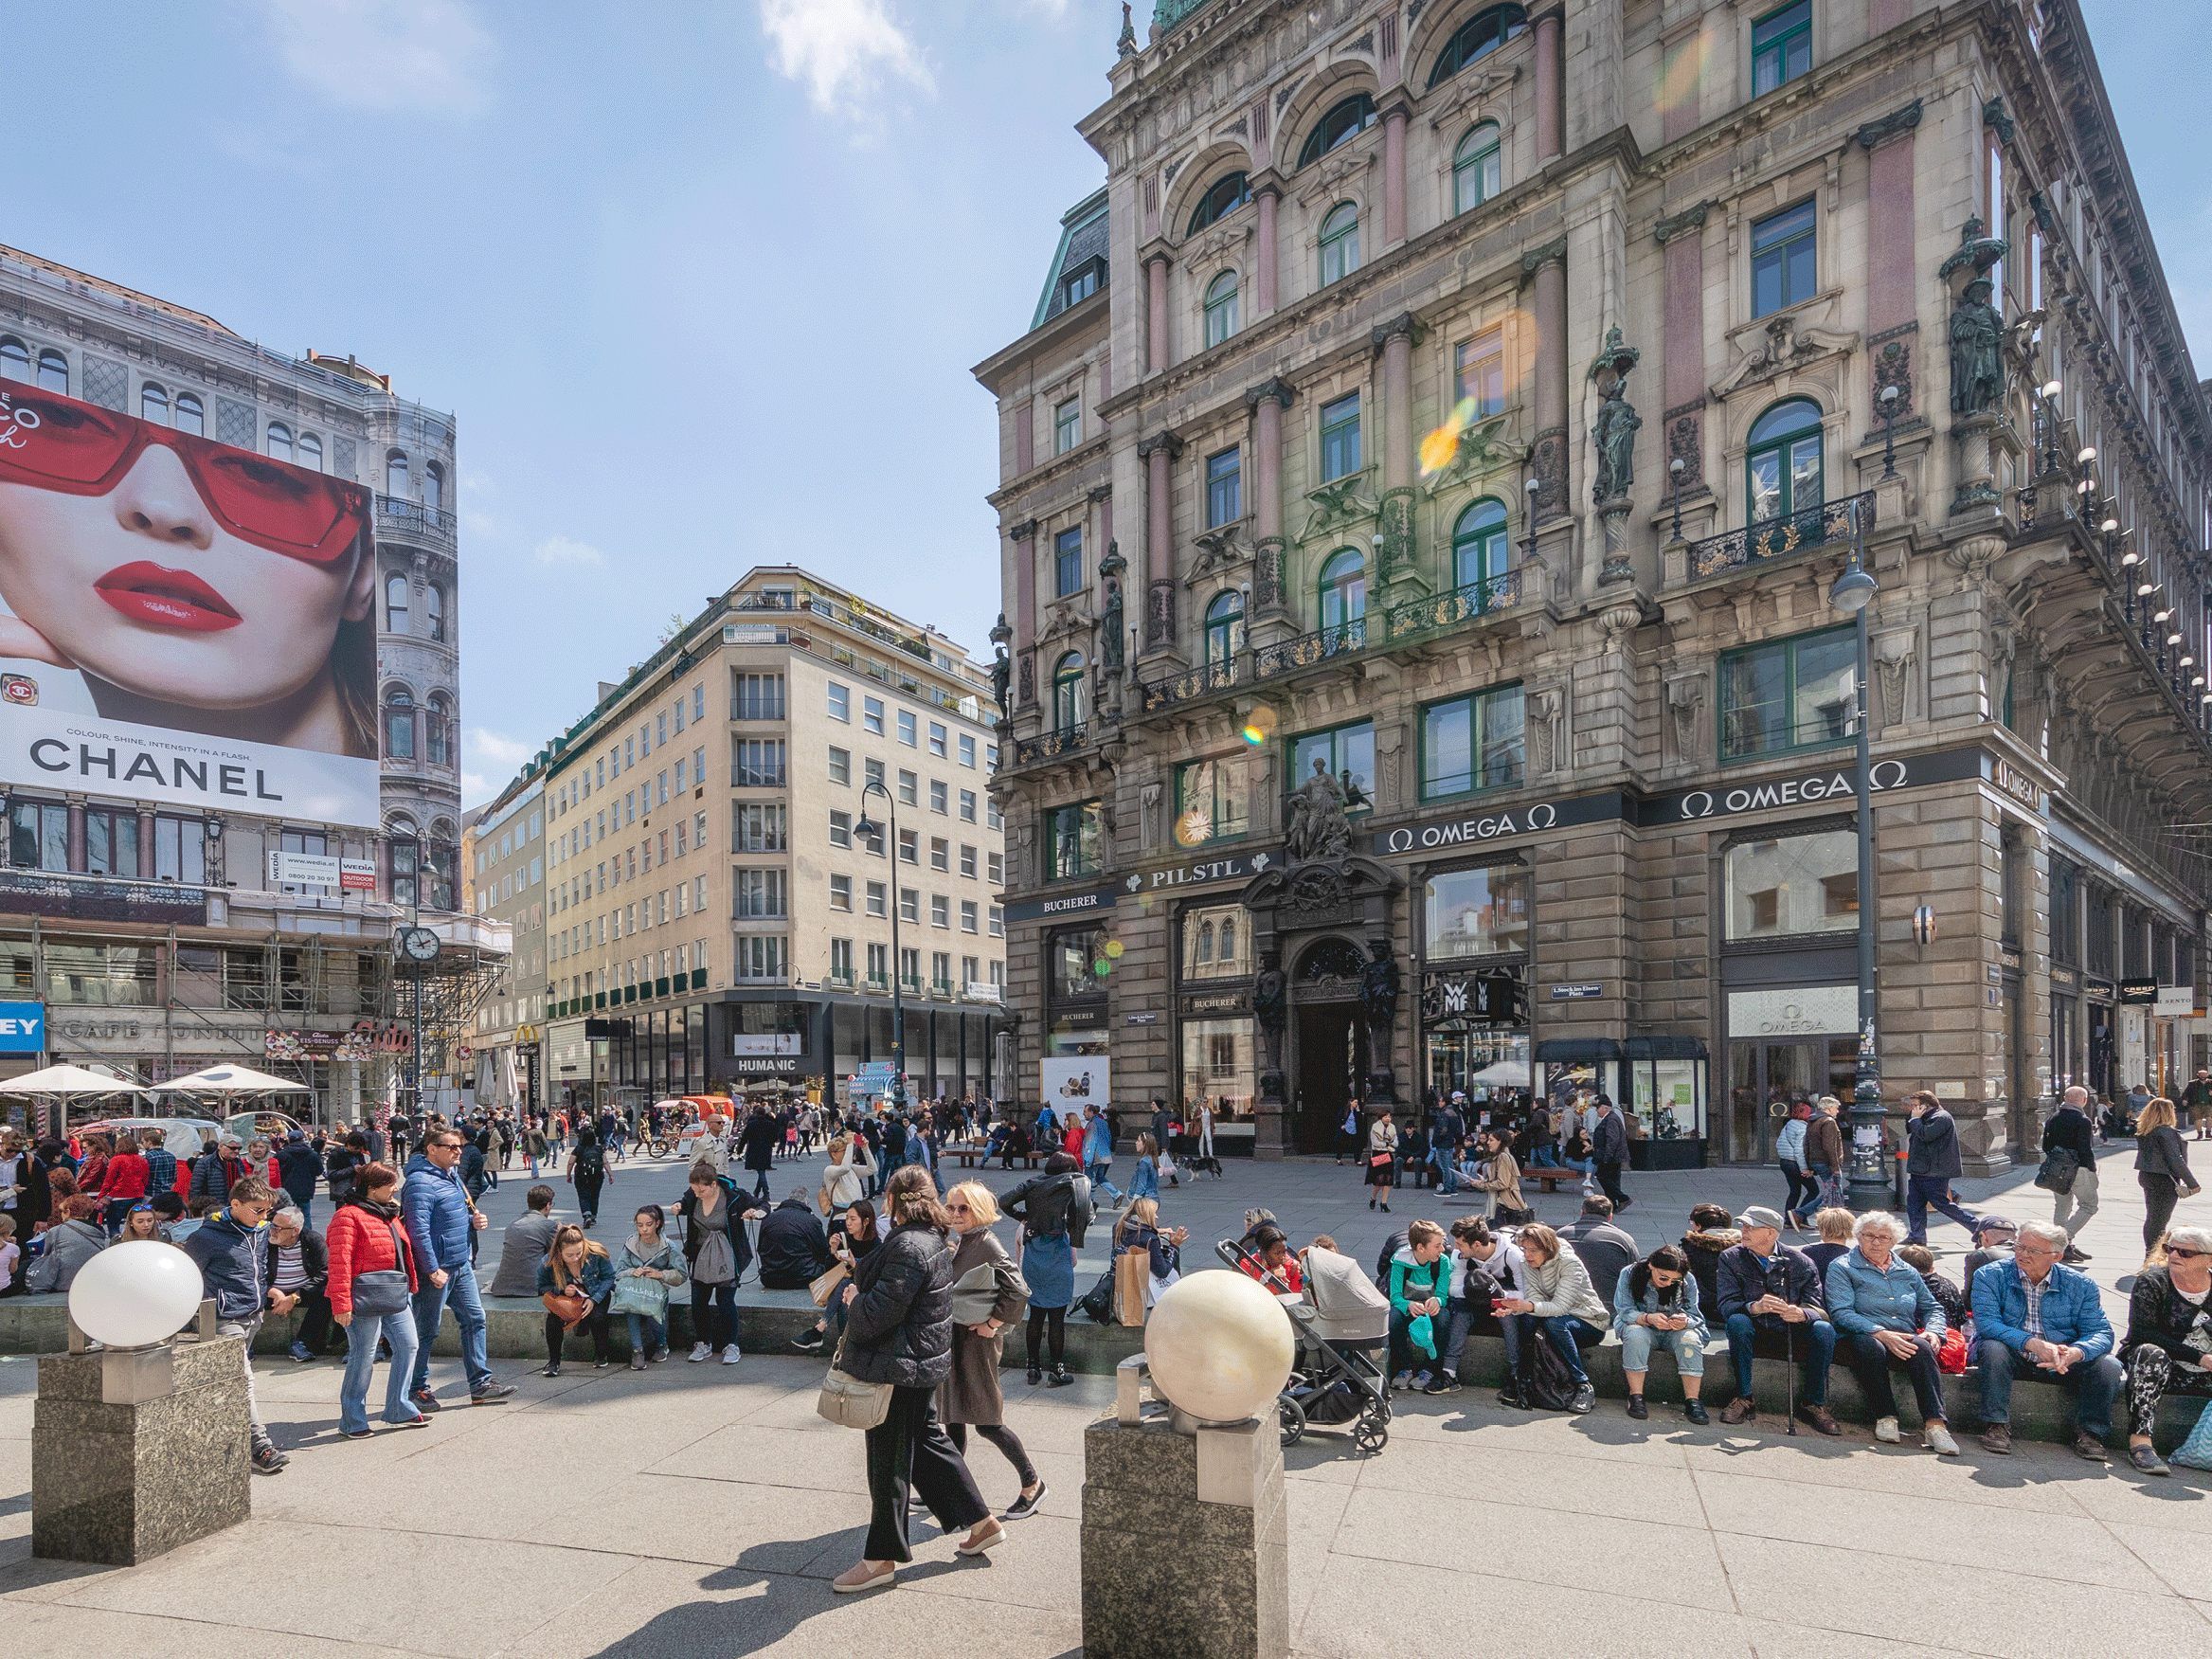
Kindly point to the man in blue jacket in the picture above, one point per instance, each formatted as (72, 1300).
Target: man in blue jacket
(2035, 1318)
(228, 1249)
(440, 1222)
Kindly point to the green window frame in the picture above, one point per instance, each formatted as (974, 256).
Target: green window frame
(1344, 121)
(1785, 259)
(1223, 629)
(1478, 37)
(1068, 561)
(1341, 596)
(1221, 308)
(1475, 172)
(1784, 462)
(1224, 196)
(1781, 47)
(1478, 372)
(1345, 749)
(1212, 800)
(1481, 551)
(1067, 426)
(1074, 840)
(1340, 243)
(1784, 695)
(1472, 744)
(1224, 487)
(1067, 698)
(1341, 438)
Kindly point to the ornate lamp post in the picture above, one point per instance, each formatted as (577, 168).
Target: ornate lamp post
(1869, 1189)
(1889, 400)
(869, 828)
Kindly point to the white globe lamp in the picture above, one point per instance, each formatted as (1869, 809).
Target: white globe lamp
(136, 1295)
(1220, 1347)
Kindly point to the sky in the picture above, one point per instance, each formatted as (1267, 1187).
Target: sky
(702, 280)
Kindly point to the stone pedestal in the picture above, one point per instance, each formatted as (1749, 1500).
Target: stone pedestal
(120, 1480)
(1186, 1543)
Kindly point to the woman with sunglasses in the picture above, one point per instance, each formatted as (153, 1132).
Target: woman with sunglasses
(971, 1395)
(2169, 1337)
(194, 585)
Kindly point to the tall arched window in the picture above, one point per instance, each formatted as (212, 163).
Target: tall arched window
(434, 486)
(14, 359)
(395, 474)
(395, 604)
(279, 440)
(153, 404)
(1344, 121)
(1343, 588)
(1782, 462)
(1340, 243)
(1474, 167)
(1223, 629)
(311, 451)
(1069, 704)
(434, 611)
(1478, 37)
(1221, 308)
(434, 731)
(1480, 551)
(1224, 196)
(190, 416)
(398, 723)
(54, 372)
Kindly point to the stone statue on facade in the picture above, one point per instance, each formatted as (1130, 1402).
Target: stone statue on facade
(1617, 423)
(1112, 637)
(1378, 988)
(1001, 668)
(1977, 364)
(1271, 998)
(1318, 825)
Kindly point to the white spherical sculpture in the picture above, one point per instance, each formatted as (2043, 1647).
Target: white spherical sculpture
(1220, 1347)
(134, 1295)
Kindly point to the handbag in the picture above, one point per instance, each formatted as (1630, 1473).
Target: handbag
(822, 1289)
(850, 1402)
(2058, 1170)
(569, 1307)
(2196, 1452)
(384, 1290)
(975, 1293)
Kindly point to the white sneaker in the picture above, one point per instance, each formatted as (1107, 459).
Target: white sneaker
(700, 1350)
(731, 1356)
(1885, 1430)
(1936, 1437)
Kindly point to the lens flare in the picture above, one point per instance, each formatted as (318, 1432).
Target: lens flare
(1441, 447)
(1101, 967)
(1192, 828)
(1259, 726)
(1114, 948)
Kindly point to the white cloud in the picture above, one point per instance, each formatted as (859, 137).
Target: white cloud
(385, 54)
(489, 761)
(567, 550)
(840, 49)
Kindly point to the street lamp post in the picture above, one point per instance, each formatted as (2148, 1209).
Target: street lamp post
(1869, 1187)
(867, 827)
(1890, 397)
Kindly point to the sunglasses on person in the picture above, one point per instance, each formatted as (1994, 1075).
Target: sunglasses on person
(73, 449)
(2174, 1254)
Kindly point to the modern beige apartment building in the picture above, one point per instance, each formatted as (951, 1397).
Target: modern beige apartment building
(714, 914)
(1478, 403)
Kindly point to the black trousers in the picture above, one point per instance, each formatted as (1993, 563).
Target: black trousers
(2159, 1194)
(1040, 1319)
(910, 1448)
(595, 1322)
(1008, 1442)
(315, 1320)
(713, 1314)
(1873, 1363)
(1608, 1176)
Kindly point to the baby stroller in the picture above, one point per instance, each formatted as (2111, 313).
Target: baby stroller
(1343, 1324)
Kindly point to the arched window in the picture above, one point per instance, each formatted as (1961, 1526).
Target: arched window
(1480, 551)
(153, 404)
(311, 451)
(54, 372)
(1478, 37)
(399, 724)
(1225, 195)
(14, 359)
(395, 604)
(1221, 308)
(434, 731)
(1227, 938)
(395, 474)
(1474, 169)
(434, 486)
(1340, 243)
(434, 611)
(1223, 629)
(1782, 462)
(189, 416)
(1343, 588)
(1205, 941)
(279, 440)
(1344, 120)
(1068, 710)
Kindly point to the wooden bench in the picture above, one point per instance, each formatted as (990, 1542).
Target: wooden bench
(1551, 1180)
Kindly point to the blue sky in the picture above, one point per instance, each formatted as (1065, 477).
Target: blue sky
(702, 279)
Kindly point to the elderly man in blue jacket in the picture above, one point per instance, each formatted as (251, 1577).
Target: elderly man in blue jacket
(439, 1220)
(2036, 1318)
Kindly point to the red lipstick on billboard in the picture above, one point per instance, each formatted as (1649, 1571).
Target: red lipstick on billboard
(162, 598)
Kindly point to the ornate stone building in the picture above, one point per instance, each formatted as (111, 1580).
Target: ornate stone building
(1488, 398)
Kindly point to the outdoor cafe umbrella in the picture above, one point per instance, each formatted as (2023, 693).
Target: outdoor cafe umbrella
(68, 1080)
(230, 1080)
(1503, 1075)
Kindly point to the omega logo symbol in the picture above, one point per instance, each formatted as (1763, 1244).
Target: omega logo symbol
(1543, 817)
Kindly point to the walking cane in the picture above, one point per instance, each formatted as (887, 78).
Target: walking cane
(1790, 1356)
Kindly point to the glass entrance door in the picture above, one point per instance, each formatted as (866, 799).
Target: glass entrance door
(1766, 1078)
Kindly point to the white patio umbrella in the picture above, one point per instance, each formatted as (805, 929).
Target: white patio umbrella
(1504, 1074)
(68, 1080)
(230, 1080)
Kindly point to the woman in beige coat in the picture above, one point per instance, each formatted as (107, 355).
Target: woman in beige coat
(971, 1394)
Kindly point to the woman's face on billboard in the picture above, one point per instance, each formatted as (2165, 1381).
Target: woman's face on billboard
(143, 587)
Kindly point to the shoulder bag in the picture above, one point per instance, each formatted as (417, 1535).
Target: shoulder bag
(385, 1291)
(2058, 1168)
(822, 1289)
(850, 1402)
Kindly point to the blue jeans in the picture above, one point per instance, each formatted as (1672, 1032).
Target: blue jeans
(1638, 1340)
(399, 1330)
(1098, 1178)
(1920, 1192)
(2096, 1385)
(647, 1334)
(1567, 1334)
(1816, 1346)
(460, 1291)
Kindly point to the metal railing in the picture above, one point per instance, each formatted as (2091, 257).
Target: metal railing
(1199, 682)
(1777, 538)
(1049, 745)
(414, 517)
(1442, 612)
(1309, 650)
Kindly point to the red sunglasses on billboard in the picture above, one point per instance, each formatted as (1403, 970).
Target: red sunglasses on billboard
(55, 443)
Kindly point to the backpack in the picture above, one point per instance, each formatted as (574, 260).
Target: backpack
(591, 1162)
(1546, 1384)
(1098, 1300)
(1081, 1211)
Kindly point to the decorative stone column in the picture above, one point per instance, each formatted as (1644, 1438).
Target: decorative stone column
(1547, 268)
(1271, 587)
(1394, 172)
(1551, 87)
(1157, 453)
(1155, 311)
(1269, 191)
(1394, 561)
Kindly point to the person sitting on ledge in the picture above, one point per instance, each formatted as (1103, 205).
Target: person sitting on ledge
(1655, 1306)
(1559, 1305)
(2169, 1344)
(1885, 1310)
(1768, 1286)
(525, 1244)
(2034, 1317)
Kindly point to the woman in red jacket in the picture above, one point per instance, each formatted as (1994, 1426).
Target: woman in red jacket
(124, 1182)
(365, 1237)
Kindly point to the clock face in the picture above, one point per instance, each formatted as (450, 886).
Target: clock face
(418, 944)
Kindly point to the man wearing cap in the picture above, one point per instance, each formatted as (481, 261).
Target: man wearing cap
(1768, 1286)
(1993, 1237)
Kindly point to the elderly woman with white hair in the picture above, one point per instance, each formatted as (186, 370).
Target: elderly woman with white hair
(2170, 1336)
(1887, 1318)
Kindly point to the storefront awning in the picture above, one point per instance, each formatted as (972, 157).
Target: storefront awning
(1664, 1048)
(1567, 1050)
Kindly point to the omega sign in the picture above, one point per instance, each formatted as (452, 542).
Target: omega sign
(1789, 791)
(1512, 820)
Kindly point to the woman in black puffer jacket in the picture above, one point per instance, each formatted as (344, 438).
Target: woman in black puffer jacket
(898, 1329)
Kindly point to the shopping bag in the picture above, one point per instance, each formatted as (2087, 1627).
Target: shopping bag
(1132, 1278)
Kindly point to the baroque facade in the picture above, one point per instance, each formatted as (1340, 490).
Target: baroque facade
(1457, 414)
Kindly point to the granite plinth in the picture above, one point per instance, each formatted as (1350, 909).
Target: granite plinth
(1166, 1572)
(121, 1484)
